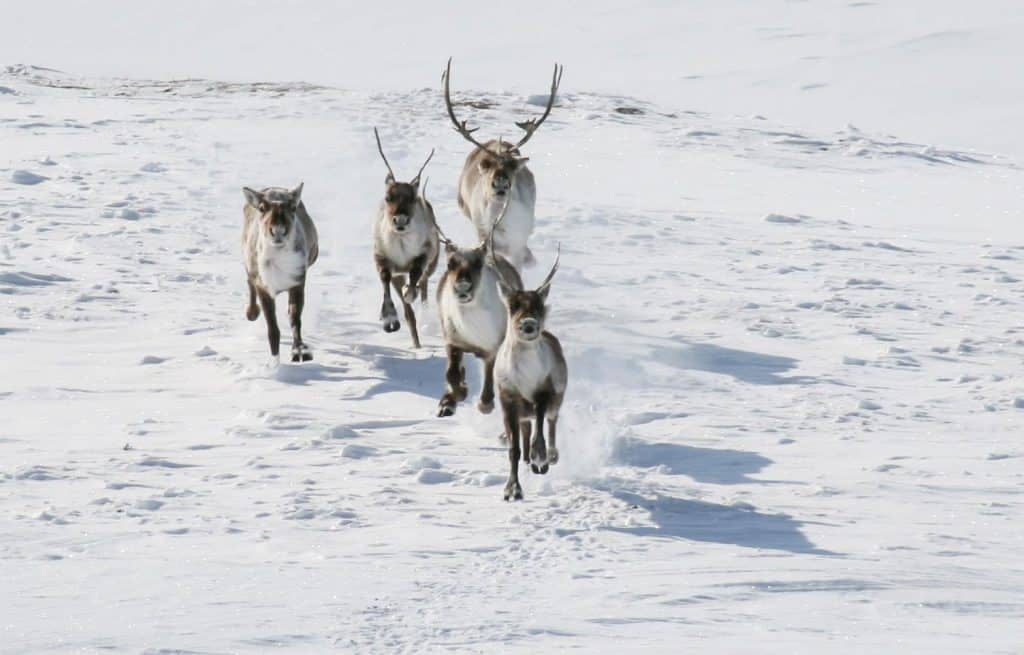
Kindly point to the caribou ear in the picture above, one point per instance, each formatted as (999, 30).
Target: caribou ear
(253, 198)
(449, 247)
(522, 160)
(543, 291)
(389, 180)
(297, 194)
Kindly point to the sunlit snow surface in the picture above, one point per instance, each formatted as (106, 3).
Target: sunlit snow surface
(793, 424)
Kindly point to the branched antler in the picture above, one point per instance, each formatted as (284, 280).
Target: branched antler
(531, 125)
(460, 126)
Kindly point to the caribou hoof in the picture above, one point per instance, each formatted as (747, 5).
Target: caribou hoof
(513, 491)
(252, 312)
(302, 354)
(390, 324)
(538, 453)
(539, 469)
(485, 407)
(447, 407)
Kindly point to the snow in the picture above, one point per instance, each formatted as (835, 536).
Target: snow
(794, 406)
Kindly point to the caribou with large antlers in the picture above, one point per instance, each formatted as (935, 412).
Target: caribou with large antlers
(531, 376)
(472, 315)
(405, 245)
(495, 172)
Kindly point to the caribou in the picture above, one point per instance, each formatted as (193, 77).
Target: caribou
(279, 244)
(472, 315)
(495, 173)
(531, 377)
(405, 245)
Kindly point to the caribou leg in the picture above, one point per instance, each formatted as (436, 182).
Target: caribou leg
(486, 402)
(410, 315)
(556, 404)
(388, 315)
(252, 312)
(296, 300)
(456, 383)
(525, 428)
(510, 407)
(538, 447)
(270, 314)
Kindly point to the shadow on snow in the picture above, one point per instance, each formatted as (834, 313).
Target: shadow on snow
(702, 464)
(697, 520)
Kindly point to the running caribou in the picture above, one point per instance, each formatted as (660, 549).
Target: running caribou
(472, 315)
(531, 375)
(405, 245)
(279, 244)
(495, 172)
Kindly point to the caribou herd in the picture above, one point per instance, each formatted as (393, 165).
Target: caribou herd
(483, 307)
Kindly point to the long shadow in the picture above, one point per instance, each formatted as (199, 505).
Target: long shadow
(744, 365)
(401, 372)
(303, 374)
(695, 520)
(644, 350)
(718, 466)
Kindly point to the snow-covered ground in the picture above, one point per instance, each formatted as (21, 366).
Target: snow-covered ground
(795, 406)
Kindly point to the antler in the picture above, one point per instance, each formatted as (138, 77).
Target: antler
(490, 235)
(441, 235)
(460, 127)
(416, 180)
(491, 250)
(547, 281)
(380, 149)
(532, 124)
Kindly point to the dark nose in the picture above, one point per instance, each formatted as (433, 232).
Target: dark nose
(529, 328)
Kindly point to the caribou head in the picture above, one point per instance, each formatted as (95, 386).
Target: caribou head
(501, 159)
(527, 309)
(278, 213)
(400, 198)
(466, 265)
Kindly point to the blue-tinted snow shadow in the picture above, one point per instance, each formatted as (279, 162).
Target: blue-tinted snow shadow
(402, 371)
(743, 365)
(717, 466)
(697, 520)
(307, 372)
(632, 360)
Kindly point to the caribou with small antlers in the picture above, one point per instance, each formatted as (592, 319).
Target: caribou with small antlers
(495, 172)
(531, 376)
(472, 315)
(405, 245)
(279, 244)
